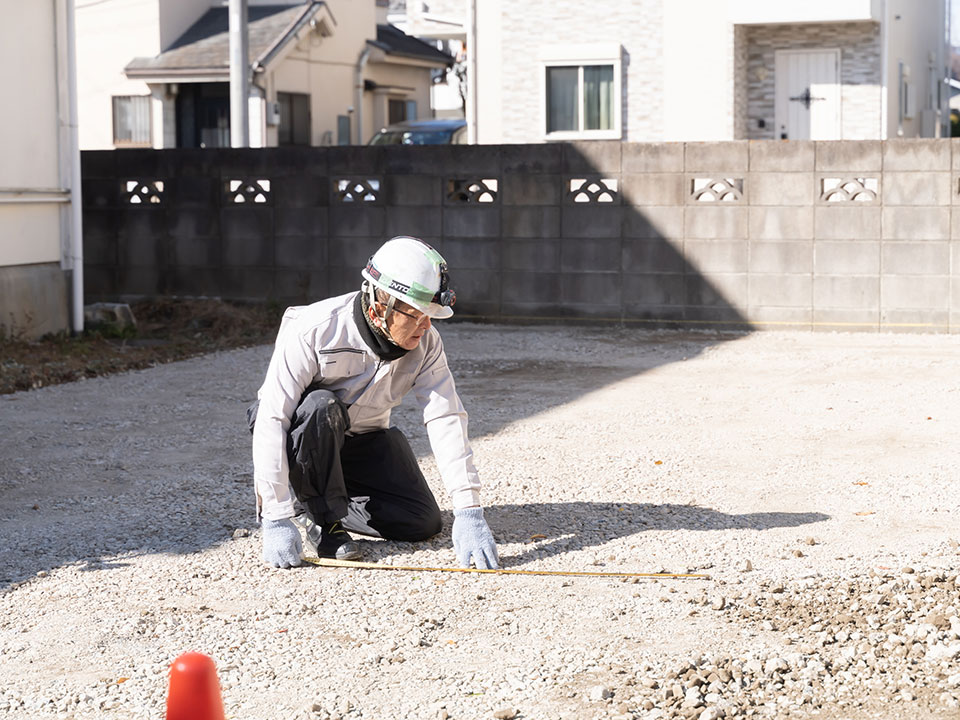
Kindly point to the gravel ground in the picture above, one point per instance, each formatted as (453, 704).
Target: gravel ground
(812, 476)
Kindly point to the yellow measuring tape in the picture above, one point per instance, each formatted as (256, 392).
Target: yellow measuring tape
(327, 562)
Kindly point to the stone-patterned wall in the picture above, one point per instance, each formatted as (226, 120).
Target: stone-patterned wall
(636, 24)
(740, 82)
(860, 56)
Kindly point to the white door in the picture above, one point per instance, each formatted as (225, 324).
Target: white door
(807, 94)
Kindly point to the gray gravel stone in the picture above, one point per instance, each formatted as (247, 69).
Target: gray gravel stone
(144, 542)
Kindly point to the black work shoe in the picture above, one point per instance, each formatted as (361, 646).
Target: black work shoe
(336, 543)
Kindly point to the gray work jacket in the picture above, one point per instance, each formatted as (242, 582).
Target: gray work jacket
(321, 344)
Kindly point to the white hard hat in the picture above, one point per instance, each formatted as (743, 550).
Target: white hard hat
(410, 270)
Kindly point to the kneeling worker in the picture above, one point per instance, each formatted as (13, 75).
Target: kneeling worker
(323, 447)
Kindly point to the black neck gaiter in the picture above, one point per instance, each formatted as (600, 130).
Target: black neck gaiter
(373, 336)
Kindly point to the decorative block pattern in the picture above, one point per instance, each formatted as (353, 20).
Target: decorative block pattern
(247, 191)
(716, 190)
(593, 190)
(357, 190)
(142, 192)
(482, 190)
(849, 189)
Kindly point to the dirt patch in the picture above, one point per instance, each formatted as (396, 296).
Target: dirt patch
(167, 330)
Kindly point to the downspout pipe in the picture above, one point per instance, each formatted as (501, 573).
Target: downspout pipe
(358, 90)
(472, 72)
(76, 206)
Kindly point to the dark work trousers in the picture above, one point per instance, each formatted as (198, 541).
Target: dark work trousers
(370, 481)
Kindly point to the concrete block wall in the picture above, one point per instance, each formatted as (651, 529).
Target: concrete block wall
(812, 235)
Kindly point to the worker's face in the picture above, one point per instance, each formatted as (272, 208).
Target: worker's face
(406, 325)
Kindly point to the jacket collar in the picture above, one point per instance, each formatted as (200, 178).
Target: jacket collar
(372, 335)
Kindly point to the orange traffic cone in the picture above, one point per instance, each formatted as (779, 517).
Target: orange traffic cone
(194, 689)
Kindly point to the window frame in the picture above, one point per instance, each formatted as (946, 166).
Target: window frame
(581, 57)
(406, 104)
(148, 143)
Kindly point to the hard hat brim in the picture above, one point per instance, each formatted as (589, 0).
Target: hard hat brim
(434, 310)
(438, 312)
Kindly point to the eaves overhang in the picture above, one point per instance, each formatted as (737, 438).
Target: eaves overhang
(271, 38)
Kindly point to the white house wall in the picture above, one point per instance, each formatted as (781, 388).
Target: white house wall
(490, 79)
(690, 66)
(809, 11)
(454, 10)
(530, 29)
(29, 133)
(33, 289)
(915, 28)
(697, 90)
(29, 233)
(109, 35)
(860, 76)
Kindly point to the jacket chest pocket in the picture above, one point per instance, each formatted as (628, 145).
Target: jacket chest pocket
(403, 383)
(387, 390)
(341, 364)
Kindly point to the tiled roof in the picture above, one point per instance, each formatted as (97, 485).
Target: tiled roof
(206, 44)
(396, 42)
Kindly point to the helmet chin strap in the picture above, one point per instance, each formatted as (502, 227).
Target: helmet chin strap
(372, 296)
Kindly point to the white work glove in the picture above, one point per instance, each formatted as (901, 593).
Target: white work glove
(282, 545)
(472, 537)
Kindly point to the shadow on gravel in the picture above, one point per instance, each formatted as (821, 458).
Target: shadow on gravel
(580, 525)
(173, 446)
(552, 529)
(189, 457)
(21, 559)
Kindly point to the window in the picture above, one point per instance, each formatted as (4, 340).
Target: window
(401, 111)
(580, 98)
(582, 93)
(131, 121)
(294, 119)
(343, 129)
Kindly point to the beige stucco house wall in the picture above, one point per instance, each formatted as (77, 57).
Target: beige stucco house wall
(322, 59)
(717, 78)
(109, 34)
(335, 63)
(36, 171)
